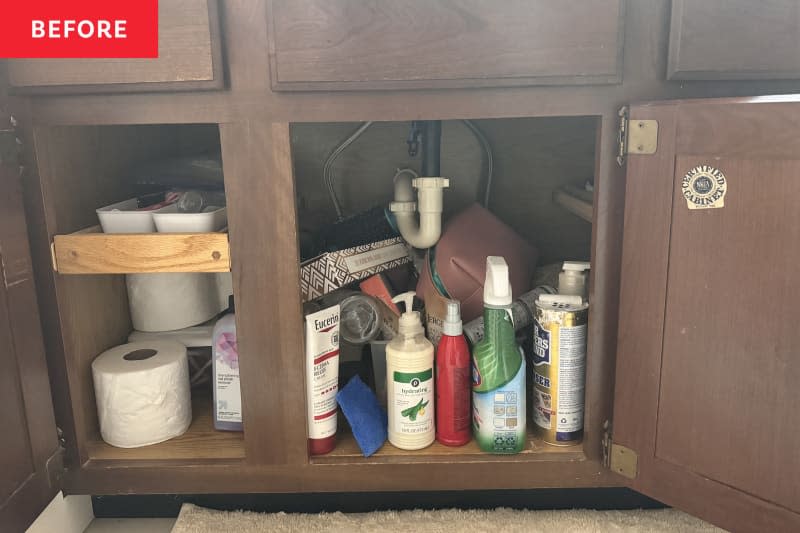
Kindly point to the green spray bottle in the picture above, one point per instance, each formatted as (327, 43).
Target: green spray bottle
(498, 370)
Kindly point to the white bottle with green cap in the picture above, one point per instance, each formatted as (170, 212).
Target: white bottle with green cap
(409, 382)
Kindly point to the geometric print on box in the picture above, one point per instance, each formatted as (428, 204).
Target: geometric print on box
(331, 271)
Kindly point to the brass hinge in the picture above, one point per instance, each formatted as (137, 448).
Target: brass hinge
(624, 461)
(637, 136)
(618, 458)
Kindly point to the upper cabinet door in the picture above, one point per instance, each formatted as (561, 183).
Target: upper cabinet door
(417, 44)
(189, 58)
(708, 360)
(734, 40)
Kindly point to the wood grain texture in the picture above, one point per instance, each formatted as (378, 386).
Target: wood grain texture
(350, 44)
(348, 452)
(189, 57)
(729, 322)
(201, 442)
(734, 40)
(218, 477)
(103, 253)
(249, 98)
(79, 170)
(29, 437)
(266, 284)
(700, 382)
(648, 210)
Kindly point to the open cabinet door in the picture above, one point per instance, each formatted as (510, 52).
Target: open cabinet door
(30, 455)
(707, 397)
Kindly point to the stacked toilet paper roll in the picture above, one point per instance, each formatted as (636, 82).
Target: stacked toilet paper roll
(169, 301)
(142, 392)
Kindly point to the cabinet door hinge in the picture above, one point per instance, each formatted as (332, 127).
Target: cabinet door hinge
(10, 145)
(624, 461)
(54, 466)
(637, 136)
(619, 458)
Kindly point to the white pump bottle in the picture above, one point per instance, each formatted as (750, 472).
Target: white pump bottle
(410, 381)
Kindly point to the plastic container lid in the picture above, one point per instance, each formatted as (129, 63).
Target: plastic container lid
(497, 288)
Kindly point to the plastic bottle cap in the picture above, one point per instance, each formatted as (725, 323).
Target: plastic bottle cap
(452, 320)
(410, 322)
(572, 279)
(496, 289)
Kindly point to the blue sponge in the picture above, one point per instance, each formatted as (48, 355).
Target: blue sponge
(366, 416)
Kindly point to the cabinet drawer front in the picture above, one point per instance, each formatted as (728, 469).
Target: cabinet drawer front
(189, 57)
(407, 44)
(734, 40)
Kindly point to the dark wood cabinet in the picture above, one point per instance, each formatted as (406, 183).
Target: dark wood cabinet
(691, 354)
(190, 58)
(707, 361)
(32, 459)
(734, 40)
(415, 44)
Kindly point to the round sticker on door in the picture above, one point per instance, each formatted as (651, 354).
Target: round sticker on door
(704, 187)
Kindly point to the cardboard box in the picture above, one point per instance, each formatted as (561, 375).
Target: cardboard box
(334, 270)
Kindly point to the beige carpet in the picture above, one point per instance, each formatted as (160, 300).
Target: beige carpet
(195, 519)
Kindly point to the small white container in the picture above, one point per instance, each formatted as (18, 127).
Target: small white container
(212, 219)
(125, 217)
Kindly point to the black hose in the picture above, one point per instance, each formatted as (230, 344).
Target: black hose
(431, 148)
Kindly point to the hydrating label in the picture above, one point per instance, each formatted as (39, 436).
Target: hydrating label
(413, 402)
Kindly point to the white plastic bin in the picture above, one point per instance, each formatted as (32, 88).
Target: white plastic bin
(124, 217)
(212, 219)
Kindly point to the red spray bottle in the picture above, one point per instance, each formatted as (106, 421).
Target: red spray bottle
(453, 382)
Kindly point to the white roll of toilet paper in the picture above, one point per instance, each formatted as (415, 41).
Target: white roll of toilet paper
(168, 301)
(142, 392)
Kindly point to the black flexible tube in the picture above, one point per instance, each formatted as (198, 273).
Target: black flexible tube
(431, 148)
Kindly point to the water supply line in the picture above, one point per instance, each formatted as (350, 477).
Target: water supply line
(327, 168)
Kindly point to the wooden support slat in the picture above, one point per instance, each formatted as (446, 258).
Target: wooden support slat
(103, 253)
(575, 201)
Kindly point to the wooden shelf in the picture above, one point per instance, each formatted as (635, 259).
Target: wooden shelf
(92, 252)
(347, 451)
(200, 442)
(577, 201)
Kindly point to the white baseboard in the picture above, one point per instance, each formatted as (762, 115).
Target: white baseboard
(71, 514)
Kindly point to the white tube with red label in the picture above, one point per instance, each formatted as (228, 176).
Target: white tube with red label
(322, 378)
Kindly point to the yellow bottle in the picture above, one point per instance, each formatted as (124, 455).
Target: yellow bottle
(409, 382)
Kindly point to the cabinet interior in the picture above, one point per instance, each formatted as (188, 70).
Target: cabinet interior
(532, 160)
(83, 168)
(86, 167)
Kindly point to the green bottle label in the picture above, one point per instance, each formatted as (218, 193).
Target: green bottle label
(413, 402)
(497, 358)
